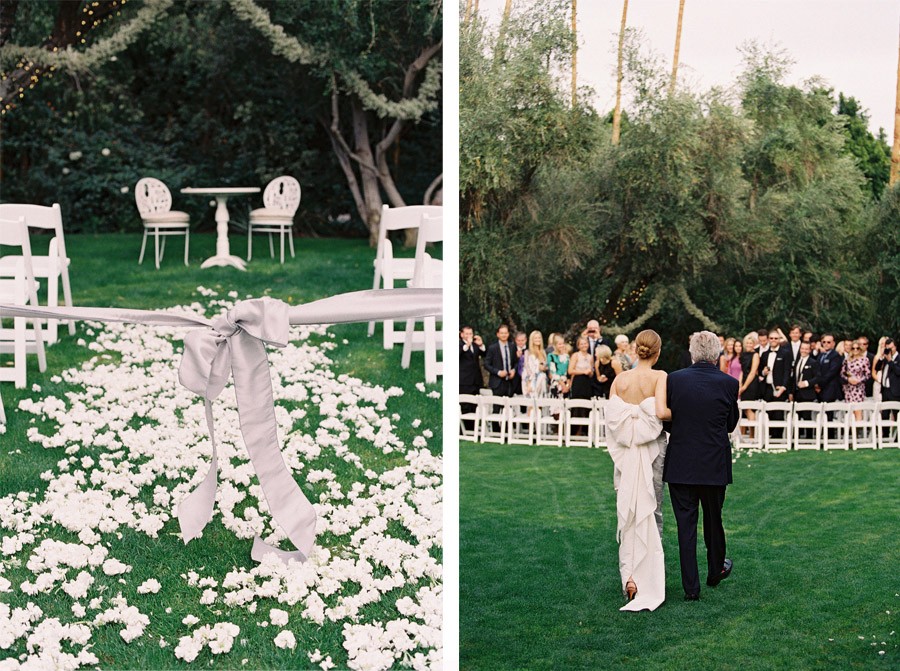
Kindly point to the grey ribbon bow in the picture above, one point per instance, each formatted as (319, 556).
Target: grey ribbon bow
(235, 343)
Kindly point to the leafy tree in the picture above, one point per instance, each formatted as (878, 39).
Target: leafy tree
(873, 155)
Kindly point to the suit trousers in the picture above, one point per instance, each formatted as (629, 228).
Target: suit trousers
(685, 502)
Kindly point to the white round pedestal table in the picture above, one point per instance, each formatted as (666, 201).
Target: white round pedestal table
(223, 255)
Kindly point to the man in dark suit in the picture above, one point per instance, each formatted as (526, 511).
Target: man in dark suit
(471, 349)
(500, 362)
(793, 342)
(887, 367)
(830, 362)
(804, 378)
(703, 401)
(775, 368)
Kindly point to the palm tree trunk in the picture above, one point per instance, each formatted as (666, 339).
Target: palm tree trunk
(617, 114)
(677, 48)
(468, 14)
(574, 53)
(895, 152)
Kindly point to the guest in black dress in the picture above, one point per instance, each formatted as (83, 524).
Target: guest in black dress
(749, 389)
(603, 371)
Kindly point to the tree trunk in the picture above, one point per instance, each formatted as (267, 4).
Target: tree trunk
(677, 48)
(895, 152)
(617, 114)
(368, 176)
(574, 53)
(468, 13)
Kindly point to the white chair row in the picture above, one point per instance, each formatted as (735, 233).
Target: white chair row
(154, 202)
(812, 426)
(532, 421)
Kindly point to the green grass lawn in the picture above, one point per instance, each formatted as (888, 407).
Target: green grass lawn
(815, 538)
(105, 272)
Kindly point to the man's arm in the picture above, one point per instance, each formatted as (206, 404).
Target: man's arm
(489, 362)
(734, 414)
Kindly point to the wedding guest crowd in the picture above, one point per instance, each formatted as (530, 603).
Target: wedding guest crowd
(802, 367)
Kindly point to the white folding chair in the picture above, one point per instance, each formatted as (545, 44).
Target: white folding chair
(522, 422)
(494, 418)
(600, 422)
(806, 426)
(551, 420)
(473, 416)
(428, 273)
(783, 425)
(585, 421)
(281, 200)
(389, 269)
(888, 427)
(2, 411)
(54, 267)
(836, 428)
(754, 437)
(154, 202)
(863, 431)
(20, 289)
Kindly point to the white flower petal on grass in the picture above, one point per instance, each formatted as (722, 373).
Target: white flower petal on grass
(286, 639)
(278, 617)
(113, 566)
(150, 586)
(190, 620)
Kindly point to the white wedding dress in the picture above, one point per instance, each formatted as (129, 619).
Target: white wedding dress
(636, 439)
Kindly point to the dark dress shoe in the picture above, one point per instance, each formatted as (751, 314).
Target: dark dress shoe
(692, 597)
(726, 571)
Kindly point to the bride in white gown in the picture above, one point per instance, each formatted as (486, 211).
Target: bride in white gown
(637, 446)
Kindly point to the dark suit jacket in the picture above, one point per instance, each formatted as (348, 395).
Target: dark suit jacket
(787, 345)
(893, 392)
(810, 373)
(781, 370)
(493, 362)
(830, 375)
(469, 367)
(704, 407)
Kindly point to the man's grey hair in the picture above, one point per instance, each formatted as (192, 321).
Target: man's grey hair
(705, 346)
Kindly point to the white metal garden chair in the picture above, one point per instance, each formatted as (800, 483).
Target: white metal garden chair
(754, 436)
(154, 202)
(863, 431)
(579, 421)
(772, 442)
(888, 427)
(428, 273)
(473, 416)
(804, 426)
(389, 269)
(551, 420)
(280, 202)
(54, 267)
(19, 287)
(835, 429)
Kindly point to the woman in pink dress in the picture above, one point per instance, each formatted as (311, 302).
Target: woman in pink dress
(854, 374)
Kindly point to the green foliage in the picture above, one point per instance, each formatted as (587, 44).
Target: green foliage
(873, 155)
(759, 209)
(200, 99)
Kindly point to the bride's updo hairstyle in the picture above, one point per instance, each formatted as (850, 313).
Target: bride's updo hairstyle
(647, 344)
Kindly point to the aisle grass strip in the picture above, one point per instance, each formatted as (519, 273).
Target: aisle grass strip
(132, 443)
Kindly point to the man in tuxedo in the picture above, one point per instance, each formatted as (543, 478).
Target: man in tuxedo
(775, 367)
(703, 401)
(762, 336)
(804, 378)
(471, 349)
(794, 342)
(500, 362)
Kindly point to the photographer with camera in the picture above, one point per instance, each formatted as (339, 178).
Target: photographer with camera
(886, 370)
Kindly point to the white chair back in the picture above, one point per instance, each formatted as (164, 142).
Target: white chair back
(585, 421)
(551, 420)
(427, 274)
(750, 433)
(887, 421)
(494, 418)
(473, 416)
(19, 287)
(600, 422)
(835, 426)
(783, 425)
(864, 430)
(807, 426)
(55, 265)
(152, 197)
(522, 421)
(283, 193)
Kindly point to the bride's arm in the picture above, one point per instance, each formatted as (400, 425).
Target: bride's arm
(662, 410)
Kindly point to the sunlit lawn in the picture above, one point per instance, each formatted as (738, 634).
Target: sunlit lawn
(814, 538)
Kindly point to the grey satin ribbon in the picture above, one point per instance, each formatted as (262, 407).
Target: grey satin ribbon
(234, 344)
